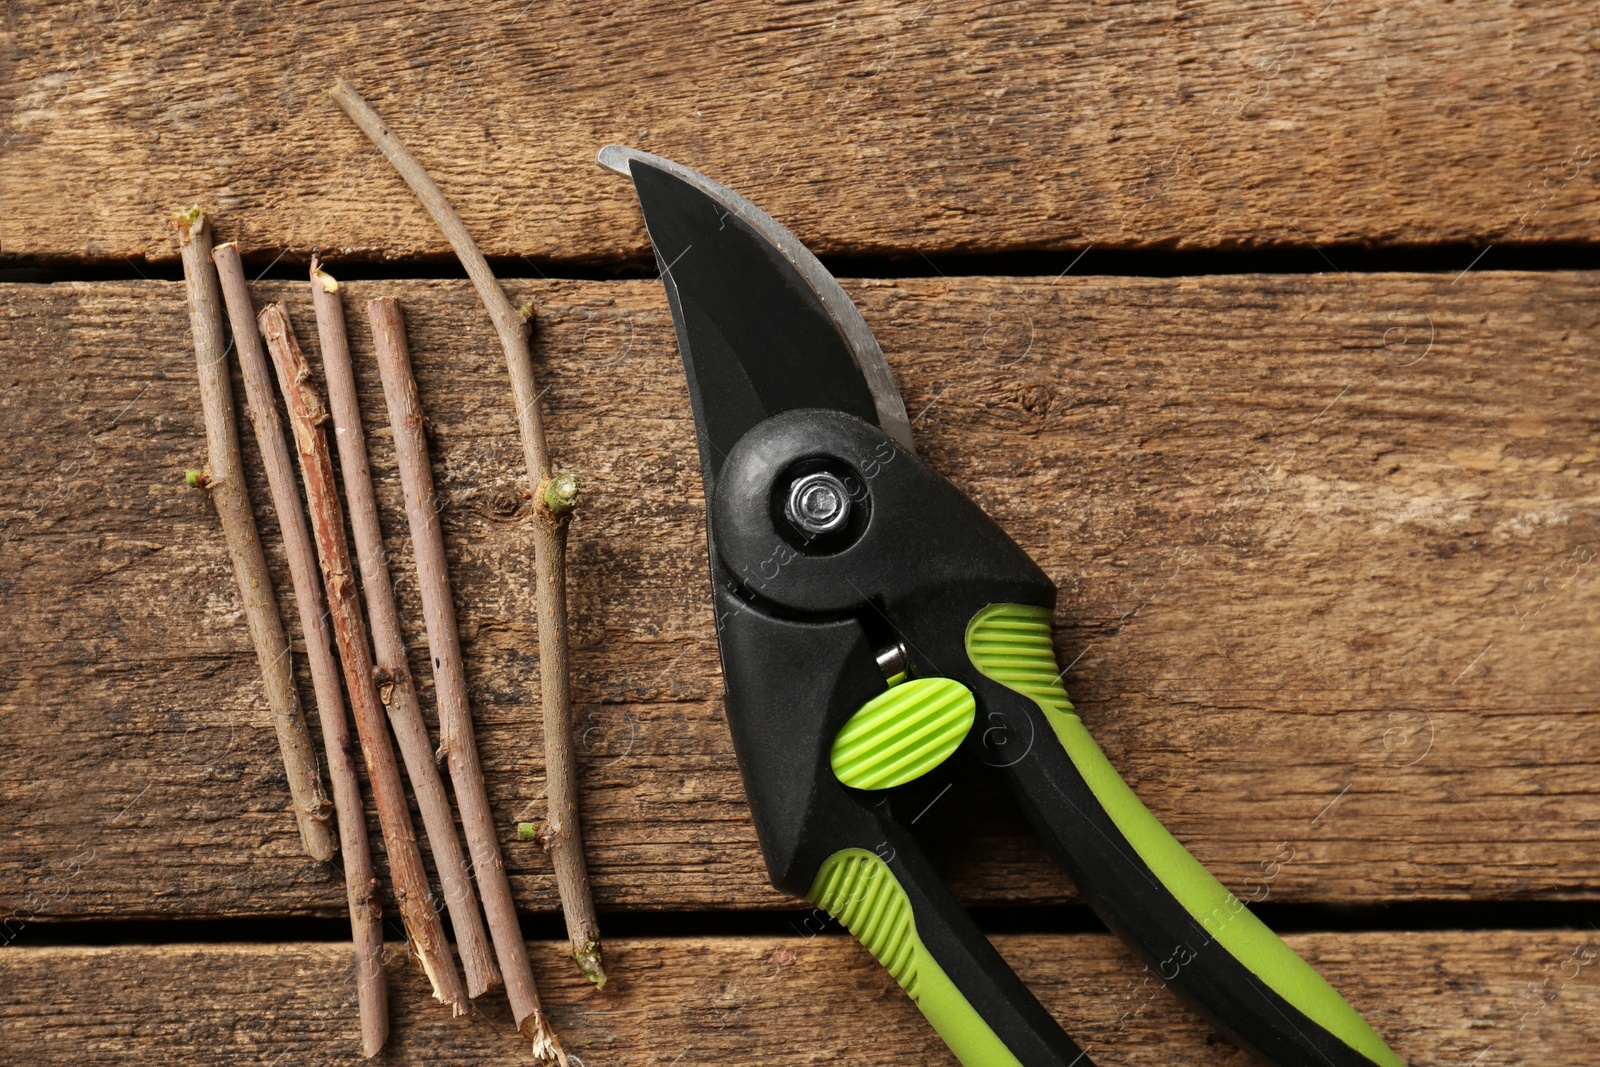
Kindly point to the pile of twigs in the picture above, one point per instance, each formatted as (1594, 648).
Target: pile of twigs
(363, 654)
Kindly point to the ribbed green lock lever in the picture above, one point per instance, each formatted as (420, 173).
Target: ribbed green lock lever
(902, 733)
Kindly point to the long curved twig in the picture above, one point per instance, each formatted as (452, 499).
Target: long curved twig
(307, 415)
(366, 918)
(398, 692)
(554, 497)
(225, 480)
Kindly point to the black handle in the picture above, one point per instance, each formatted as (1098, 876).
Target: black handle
(792, 686)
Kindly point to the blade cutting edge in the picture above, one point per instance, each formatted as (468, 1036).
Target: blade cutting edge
(846, 318)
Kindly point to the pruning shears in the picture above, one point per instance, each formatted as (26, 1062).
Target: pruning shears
(873, 622)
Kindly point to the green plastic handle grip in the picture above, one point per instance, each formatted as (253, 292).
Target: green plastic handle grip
(1010, 644)
(858, 889)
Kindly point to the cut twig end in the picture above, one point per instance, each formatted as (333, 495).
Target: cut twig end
(187, 220)
(546, 1046)
(588, 958)
(560, 493)
(431, 966)
(329, 283)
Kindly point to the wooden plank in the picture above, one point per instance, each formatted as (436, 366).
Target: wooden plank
(1494, 997)
(1323, 546)
(872, 129)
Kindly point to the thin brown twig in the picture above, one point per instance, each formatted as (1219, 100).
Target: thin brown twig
(361, 885)
(455, 717)
(554, 497)
(396, 688)
(307, 414)
(225, 480)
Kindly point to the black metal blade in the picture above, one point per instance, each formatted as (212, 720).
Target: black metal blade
(756, 336)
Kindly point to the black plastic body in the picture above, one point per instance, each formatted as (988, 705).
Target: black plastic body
(798, 634)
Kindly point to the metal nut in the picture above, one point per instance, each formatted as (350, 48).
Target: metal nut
(818, 504)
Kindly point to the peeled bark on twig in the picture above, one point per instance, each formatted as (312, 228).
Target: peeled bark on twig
(396, 689)
(553, 512)
(361, 885)
(456, 740)
(306, 416)
(224, 478)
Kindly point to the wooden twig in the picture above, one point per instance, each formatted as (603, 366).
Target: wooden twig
(554, 497)
(224, 478)
(361, 885)
(306, 416)
(456, 740)
(396, 688)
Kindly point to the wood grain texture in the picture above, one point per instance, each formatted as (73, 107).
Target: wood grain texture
(1489, 998)
(1325, 547)
(876, 128)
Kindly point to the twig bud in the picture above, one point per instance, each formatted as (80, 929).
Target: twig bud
(561, 492)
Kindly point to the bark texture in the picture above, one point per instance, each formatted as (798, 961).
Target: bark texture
(223, 480)
(458, 746)
(396, 688)
(413, 895)
(361, 883)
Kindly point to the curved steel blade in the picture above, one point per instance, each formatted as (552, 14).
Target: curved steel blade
(762, 326)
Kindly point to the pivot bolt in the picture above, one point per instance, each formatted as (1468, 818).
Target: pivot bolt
(818, 504)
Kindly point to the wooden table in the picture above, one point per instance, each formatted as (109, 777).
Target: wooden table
(1316, 473)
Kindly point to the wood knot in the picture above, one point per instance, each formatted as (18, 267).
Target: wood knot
(1035, 398)
(505, 503)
